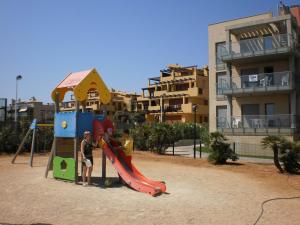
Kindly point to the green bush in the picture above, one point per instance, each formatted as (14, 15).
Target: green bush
(140, 135)
(10, 139)
(220, 151)
(161, 137)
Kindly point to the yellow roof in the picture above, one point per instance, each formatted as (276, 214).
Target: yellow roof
(81, 83)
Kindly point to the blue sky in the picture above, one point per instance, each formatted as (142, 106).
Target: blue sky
(126, 41)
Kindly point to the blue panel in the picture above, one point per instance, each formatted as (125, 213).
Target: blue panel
(65, 124)
(84, 123)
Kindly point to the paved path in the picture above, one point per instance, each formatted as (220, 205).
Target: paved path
(187, 151)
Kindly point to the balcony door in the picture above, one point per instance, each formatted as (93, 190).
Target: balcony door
(250, 116)
(270, 111)
(269, 75)
(221, 116)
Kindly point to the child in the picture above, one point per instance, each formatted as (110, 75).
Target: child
(127, 143)
(86, 150)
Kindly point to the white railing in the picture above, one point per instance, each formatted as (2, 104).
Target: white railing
(255, 81)
(258, 121)
(257, 46)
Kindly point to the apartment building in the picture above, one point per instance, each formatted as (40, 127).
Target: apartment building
(170, 97)
(254, 76)
(121, 101)
(31, 109)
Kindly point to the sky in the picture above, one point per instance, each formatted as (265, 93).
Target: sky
(127, 41)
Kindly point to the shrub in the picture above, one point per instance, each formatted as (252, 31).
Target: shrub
(161, 136)
(286, 153)
(140, 135)
(220, 151)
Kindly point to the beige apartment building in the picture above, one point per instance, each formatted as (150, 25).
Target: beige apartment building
(120, 101)
(31, 109)
(170, 97)
(254, 76)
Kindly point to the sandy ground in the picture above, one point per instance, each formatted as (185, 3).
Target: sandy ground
(198, 193)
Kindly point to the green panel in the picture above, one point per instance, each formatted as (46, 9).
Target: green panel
(68, 173)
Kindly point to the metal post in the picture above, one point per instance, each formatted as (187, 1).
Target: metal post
(103, 167)
(194, 134)
(194, 110)
(76, 141)
(32, 147)
(200, 149)
(19, 77)
(16, 119)
(161, 108)
(173, 148)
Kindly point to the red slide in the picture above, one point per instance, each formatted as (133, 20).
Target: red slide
(129, 173)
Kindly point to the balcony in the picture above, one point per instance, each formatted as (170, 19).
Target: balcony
(258, 124)
(173, 108)
(256, 84)
(275, 46)
(188, 108)
(154, 108)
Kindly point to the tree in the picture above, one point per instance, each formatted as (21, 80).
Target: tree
(275, 143)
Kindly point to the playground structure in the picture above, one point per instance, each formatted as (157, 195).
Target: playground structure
(33, 127)
(70, 126)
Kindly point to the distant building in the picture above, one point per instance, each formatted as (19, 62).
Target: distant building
(3, 109)
(121, 101)
(170, 97)
(32, 109)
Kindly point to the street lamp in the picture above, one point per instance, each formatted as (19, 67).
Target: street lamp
(195, 131)
(19, 77)
(162, 107)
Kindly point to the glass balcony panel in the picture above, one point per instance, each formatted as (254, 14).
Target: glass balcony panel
(257, 46)
(263, 82)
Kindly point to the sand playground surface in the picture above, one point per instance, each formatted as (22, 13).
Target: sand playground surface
(198, 193)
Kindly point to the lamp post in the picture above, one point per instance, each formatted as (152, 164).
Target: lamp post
(195, 110)
(162, 107)
(19, 77)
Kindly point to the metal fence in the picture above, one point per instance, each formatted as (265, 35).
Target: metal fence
(252, 152)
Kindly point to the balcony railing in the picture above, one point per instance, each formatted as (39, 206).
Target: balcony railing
(172, 108)
(257, 46)
(264, 82)
(254, 123)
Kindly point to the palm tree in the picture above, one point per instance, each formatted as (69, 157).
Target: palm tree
(274, 142)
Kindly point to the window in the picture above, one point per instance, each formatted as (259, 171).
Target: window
(205, 102)
(220, 51)
(221, 116)
(200, 91)
(269, 109)
(268, 42)
(181, 87)
(222, 82)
